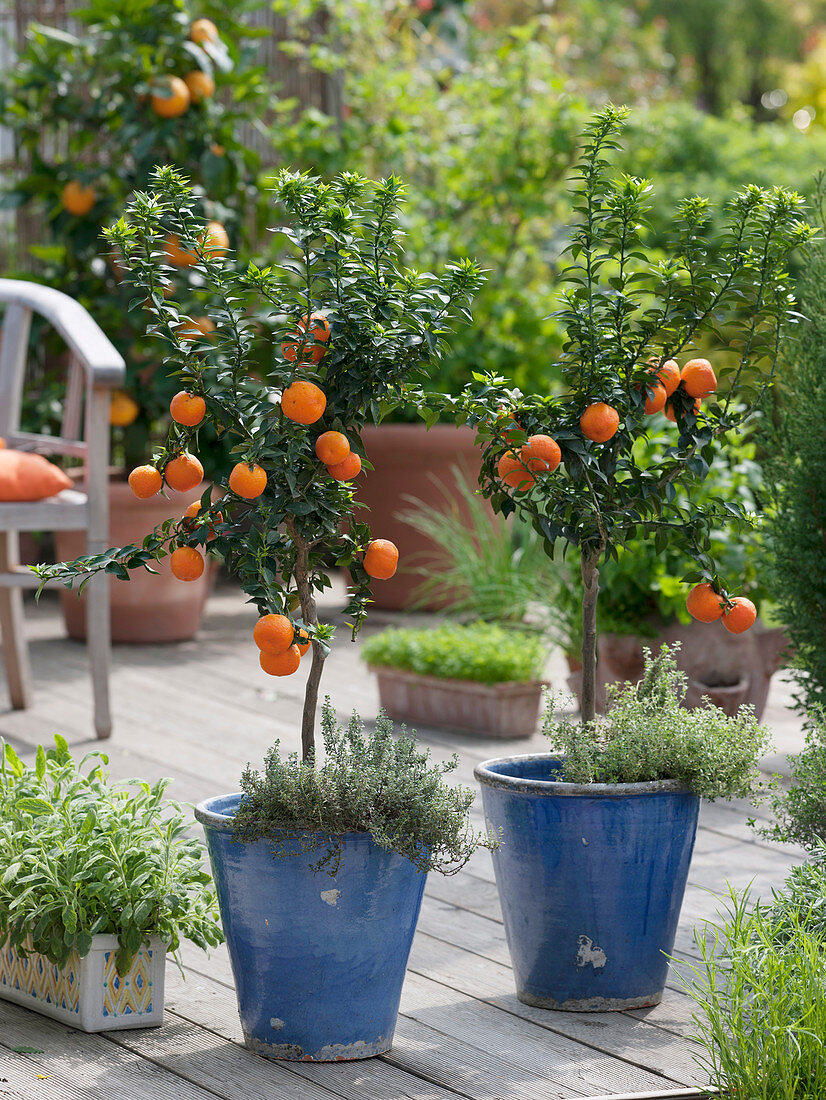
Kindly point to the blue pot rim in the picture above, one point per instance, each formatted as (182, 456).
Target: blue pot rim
(209, 818)
(549, 788)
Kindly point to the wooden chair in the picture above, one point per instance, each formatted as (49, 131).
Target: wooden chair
(95, 368)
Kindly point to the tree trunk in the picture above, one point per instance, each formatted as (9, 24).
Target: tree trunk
(310, 617)
(590, 583)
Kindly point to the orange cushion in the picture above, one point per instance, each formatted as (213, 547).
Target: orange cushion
(29, 477)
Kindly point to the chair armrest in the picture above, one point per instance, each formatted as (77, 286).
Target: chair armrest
(102, 362)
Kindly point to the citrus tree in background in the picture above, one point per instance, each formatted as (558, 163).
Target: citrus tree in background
(140, 83)
(578, 465)
(356, 326)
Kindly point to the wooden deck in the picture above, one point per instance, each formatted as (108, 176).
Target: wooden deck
(199, 711)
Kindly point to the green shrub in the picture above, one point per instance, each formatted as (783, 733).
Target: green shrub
(80, 856)
(482, 652)
(796, 476)
(381, 785)
(647, 735)
(800, 812)
(761, 1015)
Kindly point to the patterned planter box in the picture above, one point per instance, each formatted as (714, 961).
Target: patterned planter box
(494, 710)
(88, 993)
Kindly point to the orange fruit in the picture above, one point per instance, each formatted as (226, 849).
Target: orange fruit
(671, 415)
(698, 378)
(599, 422)
(123, 409)
(514, 472)
(193, 327)
(281, 664)
(347, 469)
(541, 453)
(173, 100)
(704, 604)
(273, 633)
(193, 513)
(77, 199)
(319, 331)
(187, 408)
(201, 85)
(248, 481)
(176, 255)
(145, 482)
(381, 559)
(304, 641)
(203, 30)
(303, 402)
(216, 239)
(332, 448)
(186, 563)
(740, 616)
(655, 399)
(505, 423)
(668, 374)
(183, 472)
(217, 150)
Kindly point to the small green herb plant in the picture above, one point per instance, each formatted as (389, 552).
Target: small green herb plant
(381, 784)
(647, 735)
(80, 855)
(800, 811)
(761, 1014)
(482, 652)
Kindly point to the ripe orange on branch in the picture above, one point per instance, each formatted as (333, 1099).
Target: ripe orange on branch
(599, 422)
(655, 400)
(123, 409)
(203, 30)
(281, 664)
(200, 84)
(332, 448)
(248, 481)
(381, 559)
(273, 633)
(319, 330)
(183, 472)
(698, 378)
(671, 414)
(347, 469)
(145, 482)
(740, 616)
(704, 604)
(186, 563)
(668, 374)
(188, 409)
(303, 402)
(541, 452)
(77, 199)
(514, 472)
(174, 100)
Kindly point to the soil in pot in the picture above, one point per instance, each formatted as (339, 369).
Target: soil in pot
(150, 607)
(319, 956)
(410, 461)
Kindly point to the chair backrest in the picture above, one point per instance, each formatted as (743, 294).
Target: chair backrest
(94, 364)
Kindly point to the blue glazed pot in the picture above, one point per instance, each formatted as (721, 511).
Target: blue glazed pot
(591, 879)
(318, 960)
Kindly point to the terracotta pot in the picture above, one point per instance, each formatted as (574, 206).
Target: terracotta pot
(728, 669)
(410, 461)
(149, 607)
(495, 710)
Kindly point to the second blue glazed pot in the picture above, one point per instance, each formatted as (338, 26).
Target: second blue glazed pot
(318, 960)
(591, 879)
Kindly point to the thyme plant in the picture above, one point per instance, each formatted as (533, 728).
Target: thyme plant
(648, 735)
(80, 855)
(628, 312)
(357, 326)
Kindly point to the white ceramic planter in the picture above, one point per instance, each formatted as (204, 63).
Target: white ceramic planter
(88, 993)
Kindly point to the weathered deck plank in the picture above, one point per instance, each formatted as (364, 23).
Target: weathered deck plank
(198, 712)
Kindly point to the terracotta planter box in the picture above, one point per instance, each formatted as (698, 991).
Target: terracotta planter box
(150, 607)
(494, 710)
(410, 461)
(88, 993)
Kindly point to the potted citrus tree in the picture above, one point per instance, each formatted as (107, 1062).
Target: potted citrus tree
(91, 112)
(320, 898)
(594, 936)
(97, 882)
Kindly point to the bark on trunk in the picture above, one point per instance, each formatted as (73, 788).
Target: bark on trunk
(309, 614)
(590, 583)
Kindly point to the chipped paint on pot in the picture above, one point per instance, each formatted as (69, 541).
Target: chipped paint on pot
(591, 879)
(318, 959)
